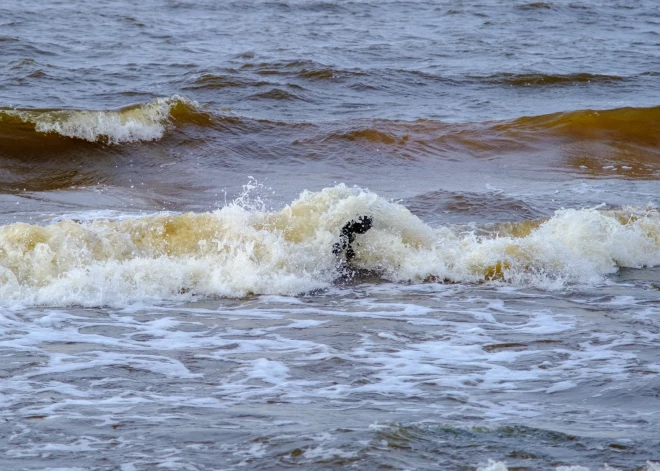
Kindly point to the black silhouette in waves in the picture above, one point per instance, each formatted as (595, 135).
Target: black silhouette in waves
(347, 236)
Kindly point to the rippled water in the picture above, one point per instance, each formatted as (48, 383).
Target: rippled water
(174, 176)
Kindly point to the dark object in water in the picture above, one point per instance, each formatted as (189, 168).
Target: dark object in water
(347, 235)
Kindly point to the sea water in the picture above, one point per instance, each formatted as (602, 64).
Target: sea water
(174, 176)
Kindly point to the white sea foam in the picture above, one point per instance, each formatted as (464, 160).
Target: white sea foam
(235, 251)
(101, 364)
(145, 122)
(493, 466)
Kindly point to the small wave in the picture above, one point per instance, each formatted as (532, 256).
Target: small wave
(307, 70)
(144, 122)
(241, 249)
(621, 143)
(630, 125)
(370, 135)
(541, 80)
(317, 74)
(536, 6)
(468, 206)
(221, 81)
(327, 73)
(150, 121)
(276, 94)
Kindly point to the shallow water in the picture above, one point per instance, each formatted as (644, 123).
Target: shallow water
(173, 177)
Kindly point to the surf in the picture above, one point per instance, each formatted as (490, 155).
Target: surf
(241, 250)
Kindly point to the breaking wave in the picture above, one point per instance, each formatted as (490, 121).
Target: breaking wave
(588, 138)
(149, 121)
(240, 250)
(142, 122)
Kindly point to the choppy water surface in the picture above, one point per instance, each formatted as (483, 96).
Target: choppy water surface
(173, 176)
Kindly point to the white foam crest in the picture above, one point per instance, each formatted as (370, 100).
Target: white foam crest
(574, 246)
(145, 122)
(236, 250)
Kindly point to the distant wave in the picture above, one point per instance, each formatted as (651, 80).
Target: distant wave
(492, 207)
(276, 94)
(588, 141)
(150, 121)
(301, 72)
(219, 81)
(303, 69)
(591, 142)
(540, 80)
(241, 249)
(639, 125)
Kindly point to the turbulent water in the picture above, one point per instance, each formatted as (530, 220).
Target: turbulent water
(174, 176)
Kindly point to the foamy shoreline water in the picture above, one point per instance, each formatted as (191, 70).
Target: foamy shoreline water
(368, 374)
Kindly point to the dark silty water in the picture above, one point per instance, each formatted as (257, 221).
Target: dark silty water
(174, 176)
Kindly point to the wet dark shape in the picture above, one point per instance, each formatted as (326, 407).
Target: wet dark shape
(347, 236)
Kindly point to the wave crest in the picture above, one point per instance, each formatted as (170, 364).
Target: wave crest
(638, 125)
(239, 250)
(143, 122)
